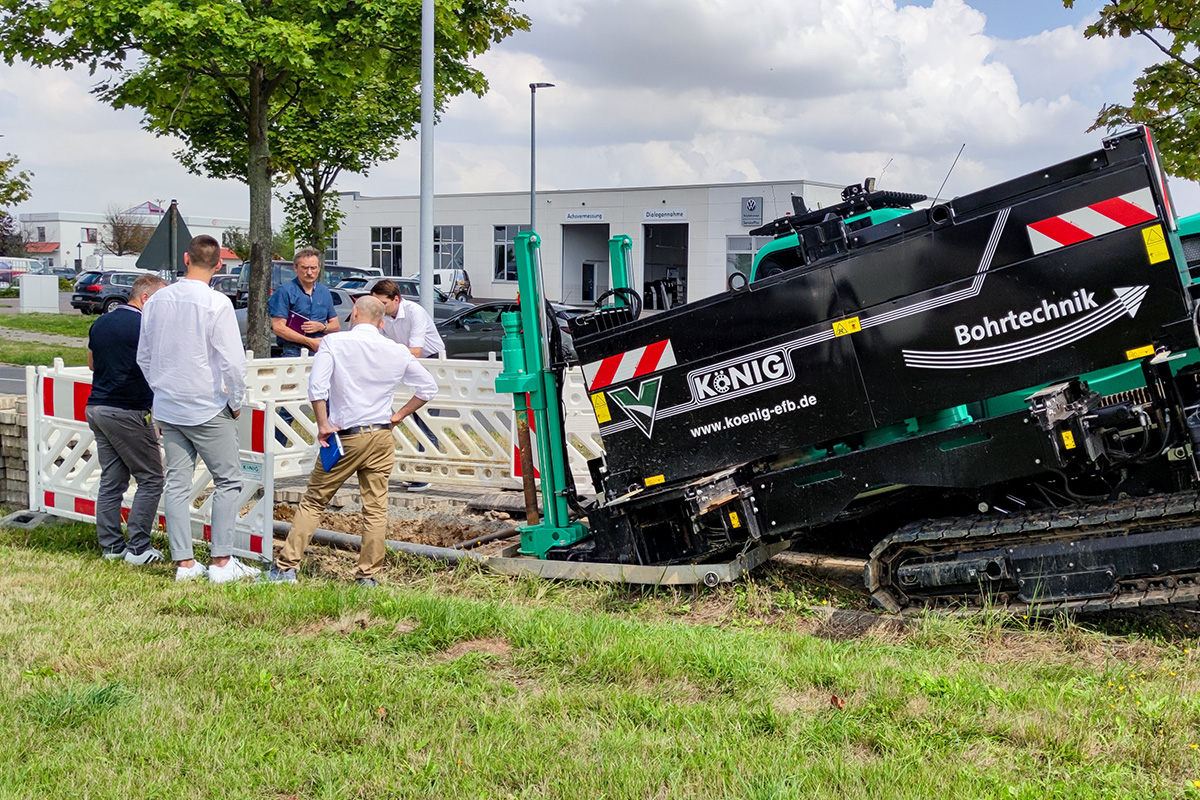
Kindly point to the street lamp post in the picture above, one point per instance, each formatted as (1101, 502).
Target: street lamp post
(533, 87)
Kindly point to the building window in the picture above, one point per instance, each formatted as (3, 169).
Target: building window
(448, 246)
(41, 233)
(89, 235)
(331, 250)
(739, 252)
(506, 253)
(385, 250)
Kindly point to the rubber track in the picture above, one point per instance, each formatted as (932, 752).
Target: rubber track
(967, 534)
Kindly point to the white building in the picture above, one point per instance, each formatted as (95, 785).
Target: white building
(696, 235)
(60, 238)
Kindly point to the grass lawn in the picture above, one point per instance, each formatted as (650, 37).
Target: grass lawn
(23, 353)
(115, 682)
(62, 324)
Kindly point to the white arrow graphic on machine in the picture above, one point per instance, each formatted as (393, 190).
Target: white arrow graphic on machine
(1127, 301)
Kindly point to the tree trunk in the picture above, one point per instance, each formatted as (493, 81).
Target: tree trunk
(318, 225)
(258, 176)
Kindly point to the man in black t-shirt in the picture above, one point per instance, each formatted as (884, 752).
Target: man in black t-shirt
(118, 412)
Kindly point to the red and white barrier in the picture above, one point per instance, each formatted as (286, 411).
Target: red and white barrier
(474, 426)
(64, 472)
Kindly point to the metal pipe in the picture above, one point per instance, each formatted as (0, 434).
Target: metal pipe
(533, 87)
(494, 536)
(447, 554)
(426, 265)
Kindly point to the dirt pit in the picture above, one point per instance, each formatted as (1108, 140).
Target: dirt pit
(438, 528)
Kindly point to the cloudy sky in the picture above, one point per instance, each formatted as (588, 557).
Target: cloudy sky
(666, 92)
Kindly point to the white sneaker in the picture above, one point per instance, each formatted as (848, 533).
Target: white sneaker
(196, 570)
(232, 571)
(151, 555)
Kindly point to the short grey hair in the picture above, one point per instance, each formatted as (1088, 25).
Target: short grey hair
(370, 309)
(306, 252)
(146, 284)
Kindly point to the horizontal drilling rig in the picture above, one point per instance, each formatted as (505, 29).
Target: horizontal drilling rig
(994, 399)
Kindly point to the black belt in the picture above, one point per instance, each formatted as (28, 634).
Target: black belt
(351, 431)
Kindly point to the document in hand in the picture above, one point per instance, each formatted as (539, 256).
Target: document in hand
(296, 321)
(332, 453)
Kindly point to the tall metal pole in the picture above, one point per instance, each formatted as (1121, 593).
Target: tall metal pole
(533, 87)
(426, 263)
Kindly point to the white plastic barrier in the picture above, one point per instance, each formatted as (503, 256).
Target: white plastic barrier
(473, 424)
(64, 472)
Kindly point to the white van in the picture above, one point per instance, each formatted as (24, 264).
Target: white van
(454, 282)
(13, 268)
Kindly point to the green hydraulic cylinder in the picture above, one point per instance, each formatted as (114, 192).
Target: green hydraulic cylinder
(535, 389)
(620, 264)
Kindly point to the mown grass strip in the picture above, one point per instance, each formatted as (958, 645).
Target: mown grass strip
(26, 353)
(61, 324)
(458, 683)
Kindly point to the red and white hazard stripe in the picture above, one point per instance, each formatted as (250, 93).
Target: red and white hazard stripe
(63, 398)
(630, 364)
(252, 429)
(1085, 223)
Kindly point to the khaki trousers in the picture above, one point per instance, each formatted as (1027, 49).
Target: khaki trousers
(371, 456)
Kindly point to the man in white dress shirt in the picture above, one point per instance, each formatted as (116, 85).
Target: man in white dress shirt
(352, 384)
(191, 353)
(407, 323)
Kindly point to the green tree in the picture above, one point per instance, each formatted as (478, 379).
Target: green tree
(14, 186)
(238, 241)
(12, 237)
(1166, 96)
(221, 74)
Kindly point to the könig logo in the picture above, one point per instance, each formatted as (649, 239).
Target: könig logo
(642, 406)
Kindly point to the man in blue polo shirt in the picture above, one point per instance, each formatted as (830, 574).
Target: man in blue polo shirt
(118, 412)
(302, 309)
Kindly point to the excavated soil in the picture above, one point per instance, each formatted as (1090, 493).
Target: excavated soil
(437, 528)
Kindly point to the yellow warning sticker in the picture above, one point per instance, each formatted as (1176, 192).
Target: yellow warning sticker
(844, 327)
(1156, 244)
(1141, 352)
(1068, 440)
(655, 480)
(734, 522)
(600, 404)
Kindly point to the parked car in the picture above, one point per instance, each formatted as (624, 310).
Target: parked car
(281, 273)
(443, 306)
(476, 331)
(226, 285)
(63, 272)
(336, 273)
(102, 291)
(454, 282)
(342, 304)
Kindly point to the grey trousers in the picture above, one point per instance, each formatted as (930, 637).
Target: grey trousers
(216, 442)
(127, 444)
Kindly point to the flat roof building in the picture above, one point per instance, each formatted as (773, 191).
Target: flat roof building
(70, 238)
(686, 239)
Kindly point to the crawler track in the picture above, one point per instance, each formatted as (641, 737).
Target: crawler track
(1121, 555)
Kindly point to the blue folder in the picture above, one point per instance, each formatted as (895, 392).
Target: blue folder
(332, 453)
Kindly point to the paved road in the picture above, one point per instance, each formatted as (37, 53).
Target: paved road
(12, 305)
(12, 379)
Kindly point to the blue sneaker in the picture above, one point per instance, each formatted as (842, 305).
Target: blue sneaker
(277, 575)
(418, 486)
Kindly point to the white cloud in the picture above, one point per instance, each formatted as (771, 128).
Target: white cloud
(674, 91)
